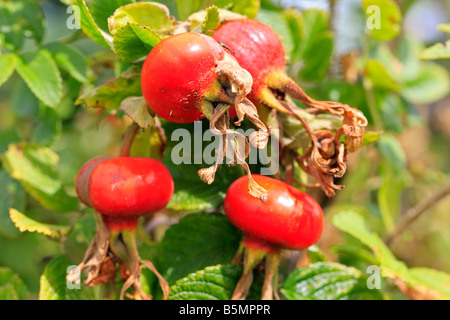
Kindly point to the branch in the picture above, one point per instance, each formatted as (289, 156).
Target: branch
(413, 213)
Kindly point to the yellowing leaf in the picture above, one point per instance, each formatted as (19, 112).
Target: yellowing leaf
(23, 223)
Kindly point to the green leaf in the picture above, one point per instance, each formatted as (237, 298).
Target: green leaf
(111, 95)
(12, 195)
(146, 15)
(53, 284)
(325, 281)
(21, 19)
(34, 167)
(42, 76)
(101, 10)
(7, 65)
(437, 51)
(384, 18)
(211, 22)
(248, 8)
(276, 20)
(197, 241)
(317, 57)
(11, 286)
(138, 27)
(69, 59)
(23, 223)
(431, 84)
(89, 27)
(212, 283)
(379, 77)
(49, 127)
(133, 41)
(316, 24)
(416, 281)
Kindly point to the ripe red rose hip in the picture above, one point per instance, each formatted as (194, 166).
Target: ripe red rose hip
(290, 218)
(123, 188)
(180, 75)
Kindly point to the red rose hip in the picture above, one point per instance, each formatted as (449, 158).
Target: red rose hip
(123, 188)
(290, 218)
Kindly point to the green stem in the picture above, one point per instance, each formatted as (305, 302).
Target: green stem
(128, 139)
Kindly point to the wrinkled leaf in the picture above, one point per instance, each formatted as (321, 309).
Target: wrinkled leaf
(212, 283)
(197, 241)
(326, 281)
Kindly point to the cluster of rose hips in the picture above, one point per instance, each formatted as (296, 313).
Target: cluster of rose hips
(190, 76)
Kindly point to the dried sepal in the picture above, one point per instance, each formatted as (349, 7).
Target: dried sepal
(95, 255)
(240, 79)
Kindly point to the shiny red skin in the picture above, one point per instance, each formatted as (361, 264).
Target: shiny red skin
(256, 47)
(177, 73)
(290, 218)
(123, 188)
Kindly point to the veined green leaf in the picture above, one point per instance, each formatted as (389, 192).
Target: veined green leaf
(326, 281)
(197, 241)
(39, 71)
(212, 283)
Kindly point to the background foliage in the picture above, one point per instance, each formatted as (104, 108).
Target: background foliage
(59, 97)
